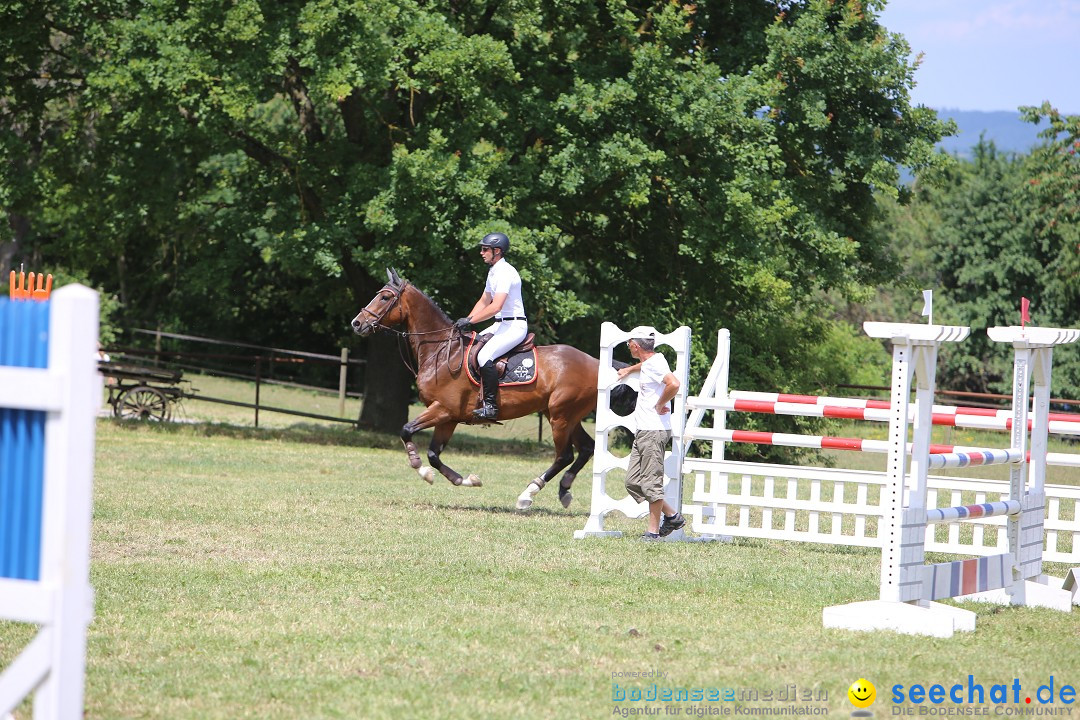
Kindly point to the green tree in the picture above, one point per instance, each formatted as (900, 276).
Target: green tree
(982, 253)
(1053, 184)
(989, 231)
(672, 163)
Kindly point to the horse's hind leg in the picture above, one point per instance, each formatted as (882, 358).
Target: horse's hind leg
(439, 439)
(564, 455)
(585, 445)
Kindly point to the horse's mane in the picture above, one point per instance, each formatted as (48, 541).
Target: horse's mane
(424, 295)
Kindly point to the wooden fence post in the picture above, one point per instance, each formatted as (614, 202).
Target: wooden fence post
(342, 380)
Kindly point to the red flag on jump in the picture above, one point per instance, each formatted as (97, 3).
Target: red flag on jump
(1024, 317)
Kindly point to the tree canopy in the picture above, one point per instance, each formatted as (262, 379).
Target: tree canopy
(251, 167)
(992, 230)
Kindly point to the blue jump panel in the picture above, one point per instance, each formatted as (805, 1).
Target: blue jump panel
(24, 342)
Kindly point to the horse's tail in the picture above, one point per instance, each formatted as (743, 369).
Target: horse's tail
(623, 397)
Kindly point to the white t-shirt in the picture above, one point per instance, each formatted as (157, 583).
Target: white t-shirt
(652, 374)
(503, 278)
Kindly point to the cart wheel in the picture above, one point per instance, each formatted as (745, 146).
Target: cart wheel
(143, 403)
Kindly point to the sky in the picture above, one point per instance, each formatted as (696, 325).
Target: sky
(992, 54)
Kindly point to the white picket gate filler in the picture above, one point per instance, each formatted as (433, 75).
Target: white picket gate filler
(50, 391)
(604, 461)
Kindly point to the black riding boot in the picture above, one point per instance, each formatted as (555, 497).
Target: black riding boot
(489, 379)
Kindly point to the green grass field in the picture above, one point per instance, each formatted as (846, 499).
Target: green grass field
(306, 572)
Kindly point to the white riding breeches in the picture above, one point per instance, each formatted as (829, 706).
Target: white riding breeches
(505, 335)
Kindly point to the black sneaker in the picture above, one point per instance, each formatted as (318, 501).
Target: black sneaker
(671, 524)
(649, 537)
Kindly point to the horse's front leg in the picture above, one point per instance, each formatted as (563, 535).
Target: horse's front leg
(438, 442)
(434, 415)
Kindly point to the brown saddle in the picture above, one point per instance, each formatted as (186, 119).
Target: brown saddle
(478, 341)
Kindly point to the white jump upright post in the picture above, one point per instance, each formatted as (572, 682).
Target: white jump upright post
(901, 605)
(716, 384)
(604, 461)
(50, 391)
(1033, 353)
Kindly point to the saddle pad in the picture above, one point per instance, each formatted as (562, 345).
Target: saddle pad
(520, 369)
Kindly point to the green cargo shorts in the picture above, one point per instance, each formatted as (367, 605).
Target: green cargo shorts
(645, 473)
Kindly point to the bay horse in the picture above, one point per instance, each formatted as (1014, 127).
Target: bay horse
(564, 390)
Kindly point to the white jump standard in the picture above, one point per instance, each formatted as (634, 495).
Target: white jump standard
(48, 407)
(604, 461)
(908, 585)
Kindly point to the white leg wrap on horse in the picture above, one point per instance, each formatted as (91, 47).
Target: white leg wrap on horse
(525, 499)
(427, 474)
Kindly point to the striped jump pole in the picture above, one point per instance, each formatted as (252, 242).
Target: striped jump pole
(971, 459)
(828, 442)
(50, 391)
(972, 512)
(965, 577)
(881, 404)
(873, 411)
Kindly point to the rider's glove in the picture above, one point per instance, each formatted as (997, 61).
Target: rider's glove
(463, 324)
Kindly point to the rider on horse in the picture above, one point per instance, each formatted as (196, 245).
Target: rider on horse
(501, 302)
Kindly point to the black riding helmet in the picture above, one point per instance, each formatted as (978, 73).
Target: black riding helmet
(496, 240)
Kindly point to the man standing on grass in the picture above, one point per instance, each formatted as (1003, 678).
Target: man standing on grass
(645, 473)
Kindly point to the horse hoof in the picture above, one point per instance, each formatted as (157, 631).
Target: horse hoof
(471, 481)
(565, 499)
(524, 501)
(427, 474)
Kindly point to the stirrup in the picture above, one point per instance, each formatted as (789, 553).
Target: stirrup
(486, 412)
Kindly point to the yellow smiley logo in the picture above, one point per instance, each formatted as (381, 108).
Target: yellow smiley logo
(862, 693)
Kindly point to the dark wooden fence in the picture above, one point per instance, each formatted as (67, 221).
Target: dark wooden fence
(269, 365)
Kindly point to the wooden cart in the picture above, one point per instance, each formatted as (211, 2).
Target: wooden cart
(142, 393)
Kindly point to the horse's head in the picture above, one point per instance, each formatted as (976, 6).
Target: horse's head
(385, 309)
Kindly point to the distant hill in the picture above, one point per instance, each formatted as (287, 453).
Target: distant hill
(1006, 129)
(1009, 133)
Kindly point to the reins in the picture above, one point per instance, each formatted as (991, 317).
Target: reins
(446, 343)
(401, 334)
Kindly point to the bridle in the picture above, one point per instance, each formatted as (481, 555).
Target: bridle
(377, 323)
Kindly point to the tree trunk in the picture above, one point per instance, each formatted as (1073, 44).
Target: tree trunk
(20, 230)
(387, 382)
(387, 385)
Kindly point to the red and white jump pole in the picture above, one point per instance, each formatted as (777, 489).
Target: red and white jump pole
(873, 411)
